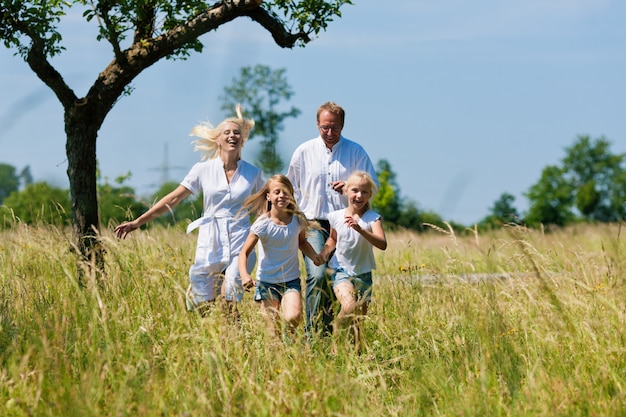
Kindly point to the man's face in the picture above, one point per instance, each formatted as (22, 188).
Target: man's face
(330, 126)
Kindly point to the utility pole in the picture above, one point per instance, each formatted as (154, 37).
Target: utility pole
(165, 166)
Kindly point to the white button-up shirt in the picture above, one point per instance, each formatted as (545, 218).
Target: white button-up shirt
(313, 167)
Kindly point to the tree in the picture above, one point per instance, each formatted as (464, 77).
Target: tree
(387, 201)
(410, 217)
(140, 32)
(260, 89)
(597, 179)
(25, 176)
(117, 201)
(551, 199)
(38, 203)
(188, 209)
(591, 182)
(9, 181)
(502, 212)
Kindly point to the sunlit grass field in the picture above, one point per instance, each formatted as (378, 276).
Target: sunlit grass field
(512, 323)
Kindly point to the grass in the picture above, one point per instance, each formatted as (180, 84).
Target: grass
(511, 323)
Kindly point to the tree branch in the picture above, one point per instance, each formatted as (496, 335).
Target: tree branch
(38, 62)
(148, 51)
(145, 22)
(282, 37)
(102, 10)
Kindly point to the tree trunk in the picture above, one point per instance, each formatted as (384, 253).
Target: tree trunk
(82, 131)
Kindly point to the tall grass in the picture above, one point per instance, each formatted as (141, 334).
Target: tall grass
(513, 323)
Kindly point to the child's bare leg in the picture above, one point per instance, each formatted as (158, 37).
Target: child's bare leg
(357, 328)
(347, 300)
(345, 319)
(269, 310)
(291, 306)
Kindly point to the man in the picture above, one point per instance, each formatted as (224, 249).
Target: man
(318, 170)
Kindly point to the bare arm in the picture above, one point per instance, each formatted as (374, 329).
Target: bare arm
(246, 280)
(330, 245)
(308, 250)
(163, 205)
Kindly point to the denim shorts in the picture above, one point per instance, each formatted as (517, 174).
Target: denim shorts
(362, 283)
(272, 291)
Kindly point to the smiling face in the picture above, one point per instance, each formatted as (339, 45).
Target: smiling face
(359, 194)
(230, 139)
(330, 126)
(279, 195)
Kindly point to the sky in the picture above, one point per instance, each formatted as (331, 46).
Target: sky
(465, 100)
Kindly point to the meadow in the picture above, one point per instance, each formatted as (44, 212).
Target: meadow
(514, 322)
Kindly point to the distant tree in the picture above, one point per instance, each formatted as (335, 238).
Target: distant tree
(550, 199)
(26, 177)
(410, 217)
(140, 33)
(387, 201)
(429, 218)
(395, 210)
(38, 203)
(260, 90)
(597, 178)
(118, 201)
(189, 209)
(502, 212)
(589, 185)
(9, 181)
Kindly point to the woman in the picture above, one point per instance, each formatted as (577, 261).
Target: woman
(225, 181)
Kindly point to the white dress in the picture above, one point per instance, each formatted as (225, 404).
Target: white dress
(223, 229)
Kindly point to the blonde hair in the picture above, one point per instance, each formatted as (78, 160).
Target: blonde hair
(358, 177)
(208, 135)
(259, 205)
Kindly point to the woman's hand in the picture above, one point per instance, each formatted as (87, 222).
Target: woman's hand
(124, 229)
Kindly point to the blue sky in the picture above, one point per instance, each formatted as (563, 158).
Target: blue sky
(466, 100)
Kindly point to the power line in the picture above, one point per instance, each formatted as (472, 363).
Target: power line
(164, 168)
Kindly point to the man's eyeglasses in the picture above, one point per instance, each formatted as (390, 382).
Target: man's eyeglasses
(329, 128)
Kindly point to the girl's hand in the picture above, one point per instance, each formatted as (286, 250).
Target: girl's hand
(338, 186)
(353, 222)
(247, 282)
(319, 259)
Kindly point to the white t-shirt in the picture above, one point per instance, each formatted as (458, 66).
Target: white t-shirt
(223, 230)
(313, 167)
(278, 250)
(354, 254)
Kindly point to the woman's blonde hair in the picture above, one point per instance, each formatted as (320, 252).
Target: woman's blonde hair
(208, 135)
(358, 177)
(259, 205)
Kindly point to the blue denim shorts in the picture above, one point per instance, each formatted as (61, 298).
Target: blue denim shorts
(271, 291)
(362, 283)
